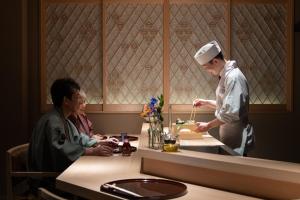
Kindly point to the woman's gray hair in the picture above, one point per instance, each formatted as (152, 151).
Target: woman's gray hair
(82, 94)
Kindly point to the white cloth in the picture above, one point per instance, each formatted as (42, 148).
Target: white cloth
(232, 106)
(248, 140)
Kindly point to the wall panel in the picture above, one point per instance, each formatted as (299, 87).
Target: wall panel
(124, 52)
(133, 51)
(191, 26)
(70, 46)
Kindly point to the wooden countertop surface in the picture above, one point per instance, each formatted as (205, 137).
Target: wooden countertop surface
(88, 173)
(85, 176)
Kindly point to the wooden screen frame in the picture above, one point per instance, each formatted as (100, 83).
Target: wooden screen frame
(177, 108)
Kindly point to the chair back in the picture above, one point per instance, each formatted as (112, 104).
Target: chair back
(17, 174)
(17, 158)
(44, 194)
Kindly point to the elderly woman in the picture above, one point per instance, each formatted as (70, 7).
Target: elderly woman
(85, 126)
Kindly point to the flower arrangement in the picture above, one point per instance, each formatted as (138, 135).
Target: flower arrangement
(153, 109)
(152, 112)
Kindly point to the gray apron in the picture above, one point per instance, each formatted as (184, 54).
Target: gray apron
(232, 104)
(238, 136)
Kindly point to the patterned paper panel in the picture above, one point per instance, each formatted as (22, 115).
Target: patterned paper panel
(73, 37)
(134, 51)
(191, 26)
(259, 41)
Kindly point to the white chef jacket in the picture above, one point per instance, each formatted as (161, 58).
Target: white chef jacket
(232, 106)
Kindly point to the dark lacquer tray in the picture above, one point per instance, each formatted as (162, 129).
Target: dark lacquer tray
(119, 149)
(130, 138)
(145, 188)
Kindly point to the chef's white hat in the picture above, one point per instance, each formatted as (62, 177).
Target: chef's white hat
(207, 52)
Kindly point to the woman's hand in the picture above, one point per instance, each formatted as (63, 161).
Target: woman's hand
(111, 142)
(98, 137)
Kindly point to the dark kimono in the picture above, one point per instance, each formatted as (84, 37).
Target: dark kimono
(55, 143)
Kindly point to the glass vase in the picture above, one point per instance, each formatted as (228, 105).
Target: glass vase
(155, 132)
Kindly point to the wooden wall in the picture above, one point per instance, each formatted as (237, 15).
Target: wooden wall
(277, 134)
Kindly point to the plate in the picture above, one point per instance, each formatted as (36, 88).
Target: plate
(145, 188)
(119, 149)
(130, 138)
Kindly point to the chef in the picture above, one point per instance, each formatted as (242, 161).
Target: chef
(232, 100)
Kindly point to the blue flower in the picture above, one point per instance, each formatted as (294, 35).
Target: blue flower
(154, 108)
(153, 101)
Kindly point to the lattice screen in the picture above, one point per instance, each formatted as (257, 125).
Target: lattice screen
(134, 40)
(72, 40)
(134, 46)
(259, 44)
(191, 26)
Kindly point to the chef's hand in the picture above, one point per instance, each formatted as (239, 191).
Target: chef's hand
(202, 127)
(199, 102)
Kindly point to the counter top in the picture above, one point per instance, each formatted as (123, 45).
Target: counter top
(85, 176)
(210, 175)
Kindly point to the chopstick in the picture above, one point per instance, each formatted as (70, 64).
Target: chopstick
(193, 114)
(122, 190)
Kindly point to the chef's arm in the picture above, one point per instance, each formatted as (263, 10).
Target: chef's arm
(205, 103)
(205, 126)
(211, 104)
(215, 123)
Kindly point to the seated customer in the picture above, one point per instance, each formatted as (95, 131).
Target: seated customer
(55, 141)
(85, 127)
(79, 118)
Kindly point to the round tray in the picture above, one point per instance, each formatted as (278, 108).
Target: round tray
(130, 138)
(119, 149)
(146, 188)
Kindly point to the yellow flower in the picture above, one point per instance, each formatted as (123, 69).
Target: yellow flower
(146, 111)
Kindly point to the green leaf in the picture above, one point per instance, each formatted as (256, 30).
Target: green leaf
(161, 100)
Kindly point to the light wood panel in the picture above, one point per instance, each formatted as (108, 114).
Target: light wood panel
(106, 106)
(234, 182)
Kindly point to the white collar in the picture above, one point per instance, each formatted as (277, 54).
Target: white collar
(229, 65)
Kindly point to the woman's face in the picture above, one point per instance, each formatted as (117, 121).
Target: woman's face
(82, 106)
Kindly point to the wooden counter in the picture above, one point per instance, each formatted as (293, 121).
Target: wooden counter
(236, 174)
(87, 174)
(262, 178)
